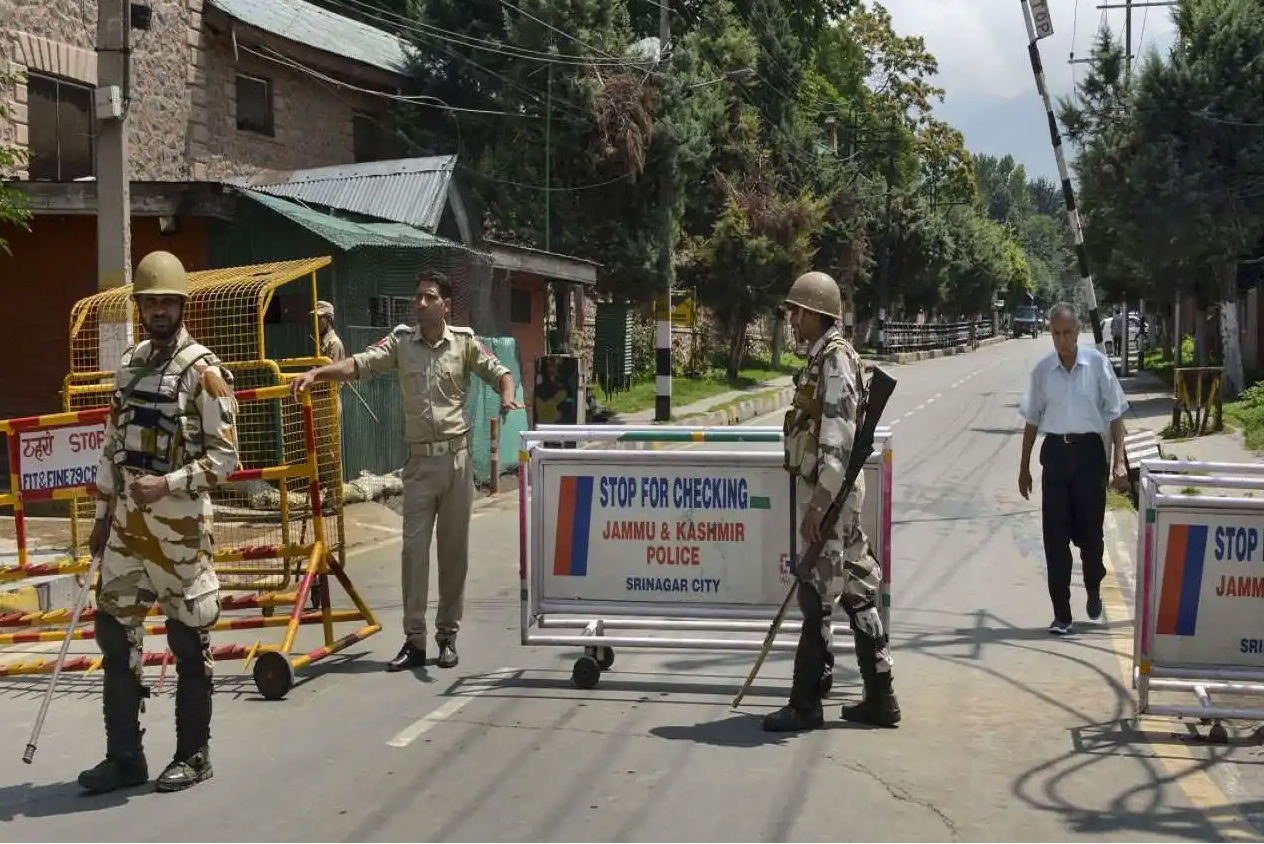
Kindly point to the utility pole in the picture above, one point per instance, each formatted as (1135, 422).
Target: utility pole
(114, 206)
(663, 336)
(1040, 25)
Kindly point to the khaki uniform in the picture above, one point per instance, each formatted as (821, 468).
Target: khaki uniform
(331, 346)
(439, 474)
(172, 414)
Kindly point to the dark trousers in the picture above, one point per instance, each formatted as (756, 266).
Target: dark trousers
(1073, 507)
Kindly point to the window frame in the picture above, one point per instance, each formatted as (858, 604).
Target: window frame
(34, 80)
(269, 128)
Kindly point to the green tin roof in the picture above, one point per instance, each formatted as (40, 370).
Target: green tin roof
(350, 234)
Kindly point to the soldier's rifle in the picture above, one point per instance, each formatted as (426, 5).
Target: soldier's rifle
(881, 386)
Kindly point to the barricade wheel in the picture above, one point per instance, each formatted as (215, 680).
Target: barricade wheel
(586, 673)
(1218, 733)
(274, 676)
(604, 657)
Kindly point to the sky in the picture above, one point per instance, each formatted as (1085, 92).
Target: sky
(991, 94)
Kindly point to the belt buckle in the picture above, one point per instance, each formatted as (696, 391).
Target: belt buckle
(1066, 438)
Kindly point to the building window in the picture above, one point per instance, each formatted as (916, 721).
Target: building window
(61, 129)
(254, 105)
(390, 311)
(520, 305)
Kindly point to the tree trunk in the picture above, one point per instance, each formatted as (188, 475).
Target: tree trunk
(778, 338)
(1234, 380)
(737, 346)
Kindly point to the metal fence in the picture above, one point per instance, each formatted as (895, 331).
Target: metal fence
(919, 337)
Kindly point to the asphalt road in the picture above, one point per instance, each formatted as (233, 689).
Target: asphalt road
(1009, 734)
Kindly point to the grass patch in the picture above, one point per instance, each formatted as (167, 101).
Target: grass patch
(690, 389)
(1247, 415)
(1116, 500)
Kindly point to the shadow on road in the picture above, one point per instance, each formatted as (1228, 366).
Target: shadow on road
(42, 801)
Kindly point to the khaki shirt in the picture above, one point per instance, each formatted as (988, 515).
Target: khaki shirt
(331, 346)
(434, 380)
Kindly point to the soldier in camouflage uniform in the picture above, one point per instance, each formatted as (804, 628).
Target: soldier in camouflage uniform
(170, 438)
(820, 431)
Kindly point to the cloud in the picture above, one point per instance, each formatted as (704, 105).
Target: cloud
(981, 47)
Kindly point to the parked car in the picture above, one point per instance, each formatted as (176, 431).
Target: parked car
(1134, 332)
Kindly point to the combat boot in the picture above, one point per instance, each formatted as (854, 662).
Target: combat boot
(192, 762)
(789, 719)
(879, 708)
(124, 765)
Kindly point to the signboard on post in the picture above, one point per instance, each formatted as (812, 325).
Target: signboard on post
(1209, 578)
(1041, 18)
(59, 458)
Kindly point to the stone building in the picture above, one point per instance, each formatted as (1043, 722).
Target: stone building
(226, 99)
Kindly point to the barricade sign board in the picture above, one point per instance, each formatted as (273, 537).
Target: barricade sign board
(702, 529)
(1209, 577)
(59, 458)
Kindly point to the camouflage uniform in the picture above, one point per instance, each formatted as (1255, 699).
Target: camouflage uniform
(172, 414)
(820, 431)
(439, 474)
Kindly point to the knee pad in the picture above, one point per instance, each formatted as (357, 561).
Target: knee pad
(191, 647)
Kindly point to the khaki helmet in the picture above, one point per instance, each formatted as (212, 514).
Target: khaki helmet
(817, 291)
(160, 274)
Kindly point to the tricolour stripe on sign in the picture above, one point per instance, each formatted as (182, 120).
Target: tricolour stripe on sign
(1182, 580)
(574, 520)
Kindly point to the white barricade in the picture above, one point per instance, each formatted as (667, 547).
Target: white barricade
(668, 542)
(1200, 587)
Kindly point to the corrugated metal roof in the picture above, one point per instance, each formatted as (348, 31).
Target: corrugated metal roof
(348, 234)
(412, 191)
(313, 26)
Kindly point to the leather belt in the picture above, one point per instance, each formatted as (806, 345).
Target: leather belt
(440, 448)
(1075, 438)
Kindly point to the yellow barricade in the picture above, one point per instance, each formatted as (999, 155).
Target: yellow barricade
(290, 471)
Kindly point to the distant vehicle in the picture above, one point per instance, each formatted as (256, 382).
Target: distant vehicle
(1026, 321)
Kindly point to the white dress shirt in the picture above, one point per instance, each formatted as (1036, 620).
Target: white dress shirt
(1082, 400)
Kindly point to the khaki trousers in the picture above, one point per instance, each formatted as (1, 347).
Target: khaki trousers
(438, 498)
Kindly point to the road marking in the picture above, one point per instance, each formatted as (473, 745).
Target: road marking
(1203, 793)
(426, 723)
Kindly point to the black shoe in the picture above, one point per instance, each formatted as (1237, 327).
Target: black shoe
(1094, 608)
(787, 719)
(879, 707)
(447, 654)
(409, 656)
(115, 772)
(184, 773)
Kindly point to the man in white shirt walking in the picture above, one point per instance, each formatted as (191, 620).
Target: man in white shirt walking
(1072, 398)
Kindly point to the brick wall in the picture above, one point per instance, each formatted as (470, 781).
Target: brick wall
(182, 118)
(312, 118)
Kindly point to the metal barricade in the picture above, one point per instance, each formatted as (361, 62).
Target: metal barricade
(55, 457)
(667, 542)
(1199, 584)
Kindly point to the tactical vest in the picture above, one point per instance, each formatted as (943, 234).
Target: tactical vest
(151, 406)
(802, 426)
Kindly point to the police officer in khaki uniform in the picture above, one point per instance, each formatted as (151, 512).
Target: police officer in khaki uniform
(433, 362)
(330, 343)
(820, 432)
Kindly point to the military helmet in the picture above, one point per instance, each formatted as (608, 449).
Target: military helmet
(817, 291)
(160, 274)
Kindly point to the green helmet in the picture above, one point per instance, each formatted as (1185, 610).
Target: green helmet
(160, 274)
(817, 291)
